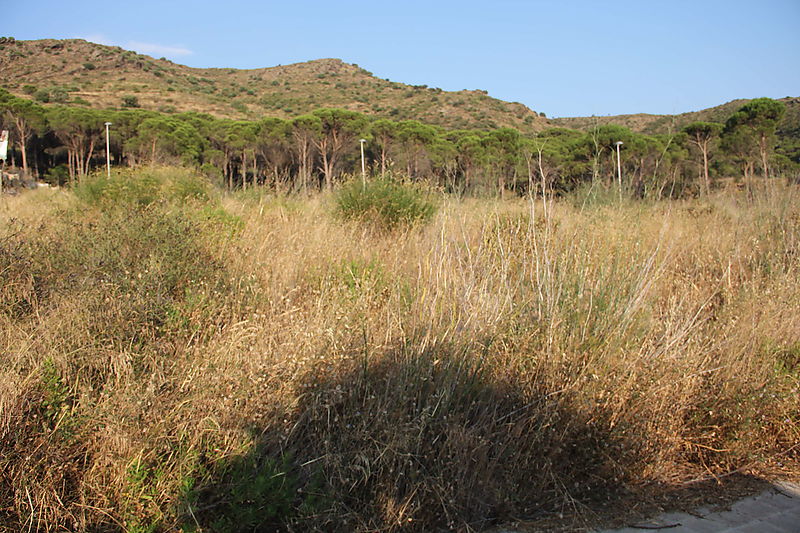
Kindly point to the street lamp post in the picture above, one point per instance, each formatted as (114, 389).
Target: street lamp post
(3, 155)
(108, 152)
(363, 167)
(619, 169)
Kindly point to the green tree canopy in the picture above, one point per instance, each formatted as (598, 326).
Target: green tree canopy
(169, 137)
(26, 118)
(80, 130)
(340, 130)
(758, 119)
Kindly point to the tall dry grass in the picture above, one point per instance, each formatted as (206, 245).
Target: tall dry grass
(264, 365)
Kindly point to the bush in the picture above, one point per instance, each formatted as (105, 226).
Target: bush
(58, 175)
(384, 203)
(130, 101)
(145, 187)
(42, 95)
(254, 492)
(59, 94)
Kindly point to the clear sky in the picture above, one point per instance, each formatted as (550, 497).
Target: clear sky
(564, 58)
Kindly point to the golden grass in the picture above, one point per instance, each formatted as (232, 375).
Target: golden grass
(505, 360)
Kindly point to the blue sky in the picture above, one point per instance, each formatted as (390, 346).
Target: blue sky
(563, 58)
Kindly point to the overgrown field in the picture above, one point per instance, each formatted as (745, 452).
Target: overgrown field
(174, 360)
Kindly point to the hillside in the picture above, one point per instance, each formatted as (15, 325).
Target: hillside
(84, 73)
(655, 124)
(79, 72)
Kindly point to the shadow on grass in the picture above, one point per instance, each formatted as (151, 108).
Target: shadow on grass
(416, 441)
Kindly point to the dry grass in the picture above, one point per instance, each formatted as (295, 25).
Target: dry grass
(504, 361)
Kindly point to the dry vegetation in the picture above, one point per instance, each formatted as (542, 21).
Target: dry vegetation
(660, 124)
(205, 366)
(99, 76)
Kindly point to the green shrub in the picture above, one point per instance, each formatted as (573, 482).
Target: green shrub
(55, 393)
(42, 95)
(130, 101)
(58, 175)
(384, 203)
(254, 492)
(59, 94)
(144, 187)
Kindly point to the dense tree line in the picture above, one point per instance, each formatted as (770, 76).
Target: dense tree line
(61, 144)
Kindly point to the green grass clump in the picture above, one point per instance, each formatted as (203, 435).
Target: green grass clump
(144, 187)
(384, 203)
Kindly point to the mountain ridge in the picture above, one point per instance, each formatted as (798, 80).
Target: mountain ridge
(653, 124)
(80, 72)
(101, 76)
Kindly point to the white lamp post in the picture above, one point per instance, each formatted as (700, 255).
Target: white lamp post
(108, 152)
(363, 167)
(619, 169)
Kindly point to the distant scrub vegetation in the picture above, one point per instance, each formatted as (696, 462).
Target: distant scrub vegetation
(316, 150)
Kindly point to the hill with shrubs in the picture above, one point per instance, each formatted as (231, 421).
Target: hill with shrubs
(82, 73)
(298, 128)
